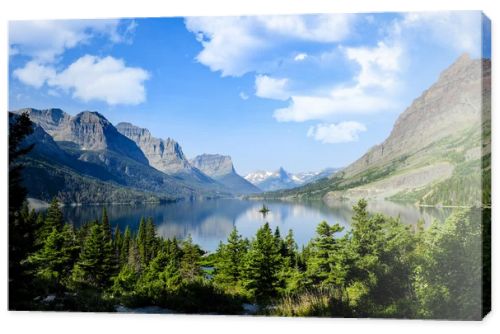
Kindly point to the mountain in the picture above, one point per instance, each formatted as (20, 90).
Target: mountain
(166, 156)
(308, 177)
(269, 181)
(89, 131)
(281, 179)
(85, 152)
(437, 153)
(220, 168)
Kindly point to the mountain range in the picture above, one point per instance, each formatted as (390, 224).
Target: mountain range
(281, 179)
(438, 152)
(85, 159)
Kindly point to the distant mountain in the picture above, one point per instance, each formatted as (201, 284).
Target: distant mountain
(308, 177)
(220, 168)
(281, 179)
(166, 156)
(276, 180)
(438, 152)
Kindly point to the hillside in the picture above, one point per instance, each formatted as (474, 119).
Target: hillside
(434, 154)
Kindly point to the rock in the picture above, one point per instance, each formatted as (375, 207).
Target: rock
(220, 168)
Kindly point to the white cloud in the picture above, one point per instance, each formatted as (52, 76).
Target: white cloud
(300, 57)
(44, 41)
(343, 132)
(271, 88)
(244, 96)
(237, 45)
(371, 90)
(91, 78)
(379, 65)
(34, 74)
(323, 107)
(459, 29)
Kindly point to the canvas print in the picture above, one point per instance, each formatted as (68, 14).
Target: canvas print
(315, 165)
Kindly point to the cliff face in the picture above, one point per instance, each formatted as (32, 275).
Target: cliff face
(164, 155)
(214, 165)
(89, 131)
(220, 168)
(436, 153)
(450, 105)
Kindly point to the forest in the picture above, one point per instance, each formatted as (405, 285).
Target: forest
(381, 267)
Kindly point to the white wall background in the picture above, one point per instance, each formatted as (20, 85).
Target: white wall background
(25, 322)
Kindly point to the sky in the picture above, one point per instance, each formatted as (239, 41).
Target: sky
(303, 92)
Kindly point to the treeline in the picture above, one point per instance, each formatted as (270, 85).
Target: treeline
(380, 268)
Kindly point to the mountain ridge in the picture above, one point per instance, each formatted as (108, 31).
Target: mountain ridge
(221, 168)
(436, 153)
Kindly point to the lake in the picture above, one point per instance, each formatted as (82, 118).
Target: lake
(210, 221)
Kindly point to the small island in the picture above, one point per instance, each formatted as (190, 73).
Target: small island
(264, 210)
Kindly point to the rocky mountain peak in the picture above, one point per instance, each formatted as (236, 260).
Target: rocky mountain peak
(449, 105)
(49, 119)
(166, 155)
(214, 165)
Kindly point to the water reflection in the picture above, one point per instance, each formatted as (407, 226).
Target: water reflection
(209, 222)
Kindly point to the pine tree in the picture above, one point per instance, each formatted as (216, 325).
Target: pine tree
(95, 265)
(262, 265)
(326, 261)
(53, 262)
(124, 252)
(53, 220)
(190, 261)
(228, 266)
(142, 243)
(106, 226)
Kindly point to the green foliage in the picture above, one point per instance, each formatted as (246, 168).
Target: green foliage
(380, 268)
(326, 264)
(449, 275)
(228, 263)
(262, 265)
(53, 262)
(95, 265)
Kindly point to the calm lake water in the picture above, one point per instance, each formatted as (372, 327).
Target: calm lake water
(209, 222)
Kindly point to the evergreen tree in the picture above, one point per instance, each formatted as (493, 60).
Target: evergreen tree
(20, 127)
(126, 243)
(262, 265)
(106, 226)
(229, 266)
(117, 241)
(325, 265)
(53, 220)
(141, 241)
(53, 262)
(95, 264)
(190, 261)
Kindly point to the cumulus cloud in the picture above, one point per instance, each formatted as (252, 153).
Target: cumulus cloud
(271, 88)
(379, 65)
(91, 78)
(244, 96)
(34, 74)
(237, 45)
(300, 57)
(44, 41)
(343, 132)
(371, 91)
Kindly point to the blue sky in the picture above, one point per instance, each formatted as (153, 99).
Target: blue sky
(303, 92)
